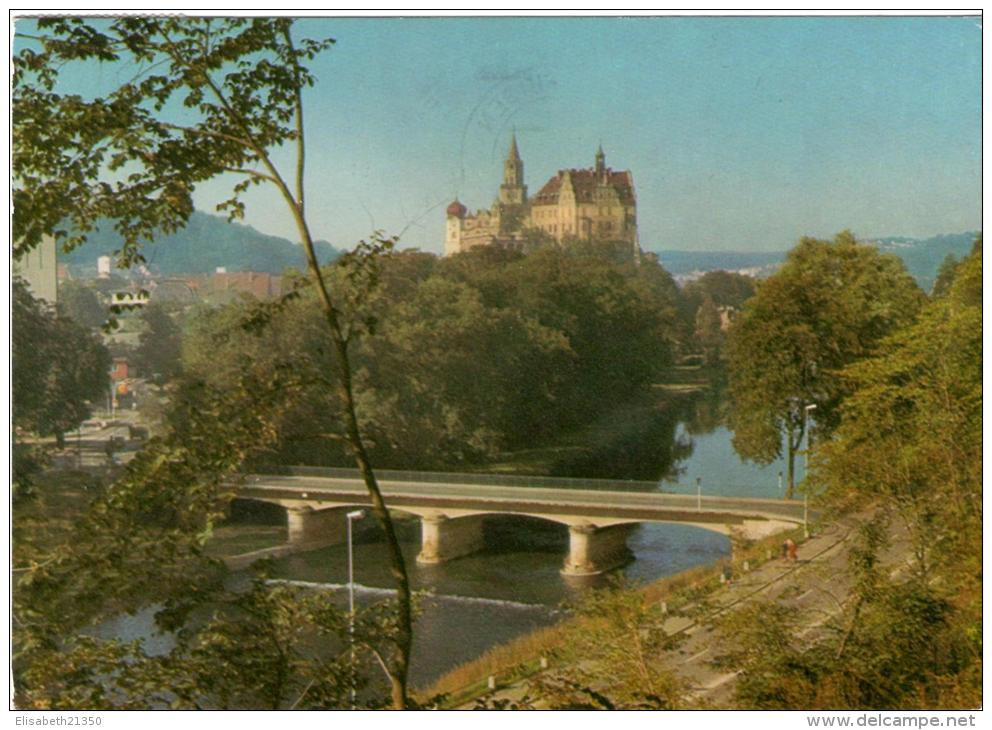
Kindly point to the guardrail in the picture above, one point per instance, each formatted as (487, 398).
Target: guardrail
(509, 480)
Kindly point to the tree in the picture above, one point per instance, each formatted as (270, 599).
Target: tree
(158, 352)
(709, 331)
(450, 404)
(142, 542)
(214, 96)
(81, 304)
(613, 657)
(829, 305)
(894, 644)
(945, 276)
(59, 368)
(713, 290)
(910, 437)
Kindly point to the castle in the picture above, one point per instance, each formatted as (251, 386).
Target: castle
(591, 203)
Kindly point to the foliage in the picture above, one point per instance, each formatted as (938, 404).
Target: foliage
(945, 276)
(700, 305)
(161, 133)
(725, 288)
(263, 636)
(908, 448)
(919, 402)
(81, 304)
(474, 354)
(213, 96)
(158, 353)
(828, 306)
(618, 317)
(709, 331)
(450, 403)
(613, 659)
(895, 645)
(58, 368)
(140, 546)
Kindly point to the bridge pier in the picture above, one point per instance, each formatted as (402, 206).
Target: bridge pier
(444, 539)
(309, 527)
(593, 550)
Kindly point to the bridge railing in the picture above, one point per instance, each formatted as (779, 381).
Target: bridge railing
(724, 490)
(496, 480)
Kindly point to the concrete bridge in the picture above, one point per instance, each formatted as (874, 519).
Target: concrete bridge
(599, 513)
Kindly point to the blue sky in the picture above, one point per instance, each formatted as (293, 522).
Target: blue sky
(741, 133)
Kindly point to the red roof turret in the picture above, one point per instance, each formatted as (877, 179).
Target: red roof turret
(456, 209)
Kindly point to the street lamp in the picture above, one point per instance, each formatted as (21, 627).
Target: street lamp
(806, 414)
(352, 516)
(699, 494)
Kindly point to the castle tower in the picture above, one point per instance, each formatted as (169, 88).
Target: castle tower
(600, 162)
(513, 192)
(453, 232)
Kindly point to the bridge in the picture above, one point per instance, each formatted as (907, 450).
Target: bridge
(599, 513)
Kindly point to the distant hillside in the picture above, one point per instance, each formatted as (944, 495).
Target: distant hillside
(681, 263)
(922, 257)
(207, 241)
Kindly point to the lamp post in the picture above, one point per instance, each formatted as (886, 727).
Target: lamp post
(806, 415)
(699, 494)
(352, 516)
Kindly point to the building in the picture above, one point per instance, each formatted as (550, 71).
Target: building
(220, 287)
(39, 268)
(591, 203)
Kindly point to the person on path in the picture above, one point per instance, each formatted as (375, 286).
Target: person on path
(791, 550)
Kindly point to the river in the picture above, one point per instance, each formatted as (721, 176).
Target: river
(514, 586)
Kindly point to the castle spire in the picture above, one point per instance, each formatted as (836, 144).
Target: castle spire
(513, 192)
(600, 161)
(513, 154)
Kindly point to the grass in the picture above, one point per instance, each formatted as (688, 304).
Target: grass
(520, 658)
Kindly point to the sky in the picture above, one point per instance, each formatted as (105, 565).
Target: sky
(741, 133)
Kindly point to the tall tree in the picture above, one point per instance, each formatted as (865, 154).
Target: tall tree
(829, 305)
(59, 368)
(910, 437)
(945, 276)
(158, 352)
(80, 303)
(719, 289)
(709, 331)
(213, 96)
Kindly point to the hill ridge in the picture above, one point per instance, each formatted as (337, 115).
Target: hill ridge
(235, 246)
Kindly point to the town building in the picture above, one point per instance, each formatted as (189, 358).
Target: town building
(39, 268)
(576, 204)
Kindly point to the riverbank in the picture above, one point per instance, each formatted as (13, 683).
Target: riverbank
(681, 595)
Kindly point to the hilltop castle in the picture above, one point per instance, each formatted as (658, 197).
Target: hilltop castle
(595, 202)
